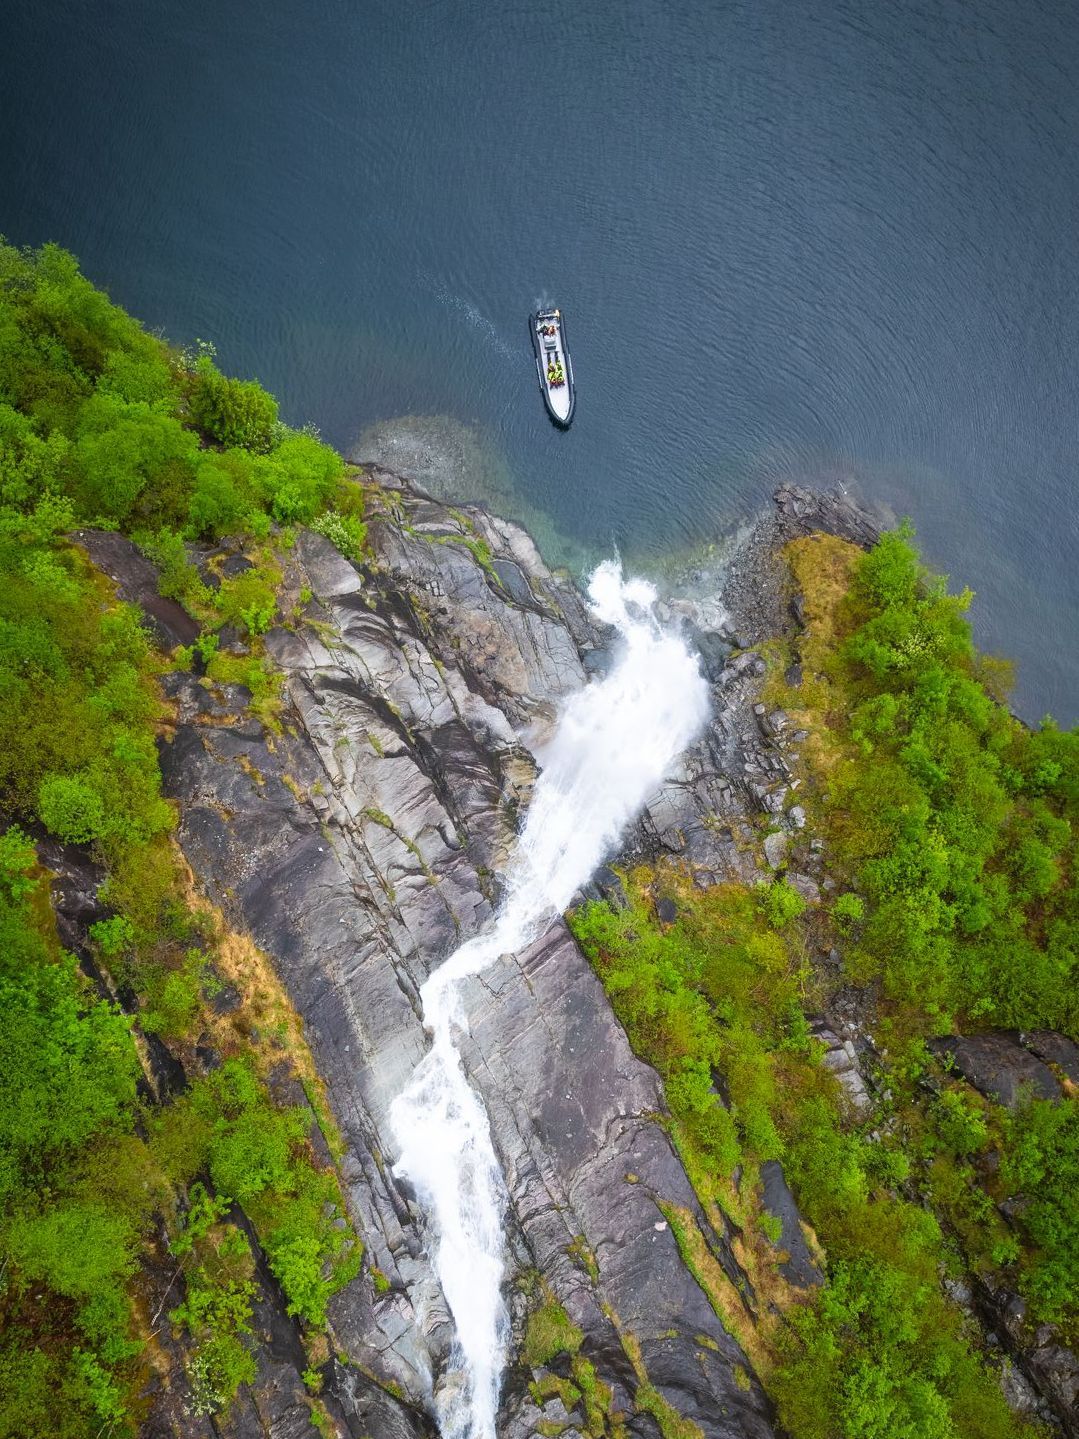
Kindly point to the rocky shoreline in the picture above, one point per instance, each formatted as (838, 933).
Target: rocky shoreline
(360, 844)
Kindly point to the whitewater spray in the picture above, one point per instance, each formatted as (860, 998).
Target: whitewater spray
(614, 743)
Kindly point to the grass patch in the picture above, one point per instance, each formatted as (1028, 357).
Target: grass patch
(549, 1332)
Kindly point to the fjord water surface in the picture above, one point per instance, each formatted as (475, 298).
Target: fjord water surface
(614, 743)
(832, 239)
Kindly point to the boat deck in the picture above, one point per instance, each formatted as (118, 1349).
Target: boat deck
(552, 348)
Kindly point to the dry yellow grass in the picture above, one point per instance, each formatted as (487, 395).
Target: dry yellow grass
(822, 568)
(264, 1005)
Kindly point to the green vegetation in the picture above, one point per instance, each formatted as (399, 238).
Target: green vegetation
(956, 822)
(217, 1310)
(257, 1154)
(950, 830)
(550, 1332)
(104, 425)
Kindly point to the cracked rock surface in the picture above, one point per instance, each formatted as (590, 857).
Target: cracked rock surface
(359, 847)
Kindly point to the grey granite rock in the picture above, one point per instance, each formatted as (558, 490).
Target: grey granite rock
(360, 846)
(799, 1267)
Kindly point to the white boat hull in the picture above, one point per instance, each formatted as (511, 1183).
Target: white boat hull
(553, 365)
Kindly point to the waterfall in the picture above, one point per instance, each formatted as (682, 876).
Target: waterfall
(615, 741)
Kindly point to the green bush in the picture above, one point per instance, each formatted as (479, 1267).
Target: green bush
(236, 412)
(848, 909)
(249, 600)
(1041, 1170)
(124, 447)
(781, 903)
(347, 532)
(299, 478)
(72, 808)
(17, 859)
(258, 1154)
(217, 1312)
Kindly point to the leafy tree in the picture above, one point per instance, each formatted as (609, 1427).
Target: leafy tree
(122, 448)
(236, 412)
(1041, 1168)
(71, 807)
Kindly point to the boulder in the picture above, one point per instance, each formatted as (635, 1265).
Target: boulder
(1055, 1049)
(998, 1066)
(799, 1267)
(775, 848)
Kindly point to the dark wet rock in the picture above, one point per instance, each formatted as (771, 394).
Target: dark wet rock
(714, 651)
(512, 579)
(998, 1066)
(76, 880)
(1056, 1049)
(666, 910)
(372, 1410)
(234, 565)
(1046, 1365)
(799, 1267)
(607, 884)
(225, 998)
(208, 1058)
(802, 511)
(166, 1071)
(136, 582)
(230, 639)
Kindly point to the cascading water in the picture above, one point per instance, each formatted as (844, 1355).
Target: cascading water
(614, 743)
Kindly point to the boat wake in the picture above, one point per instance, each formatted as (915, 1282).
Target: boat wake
(477, 319)
(615, 741)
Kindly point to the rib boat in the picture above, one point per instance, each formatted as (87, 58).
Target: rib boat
(553, 364)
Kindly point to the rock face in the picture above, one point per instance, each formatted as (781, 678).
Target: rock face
(360, 846)
(1001, 1067)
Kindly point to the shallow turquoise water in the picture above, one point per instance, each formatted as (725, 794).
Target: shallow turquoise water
(811, 240)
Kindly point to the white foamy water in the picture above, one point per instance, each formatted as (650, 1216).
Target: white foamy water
(615, 741)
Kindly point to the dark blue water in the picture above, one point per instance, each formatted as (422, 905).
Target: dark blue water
(806, 239)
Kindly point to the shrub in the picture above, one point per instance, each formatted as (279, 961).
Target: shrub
(113, 936)
(299, 477)
(781, 903)
(236, 412)
(249, 600)
(848, 910)
(217, 1311)
(122, 448)
(17, 858)
(348, 533)
(72, 808)
(1041, 1166)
